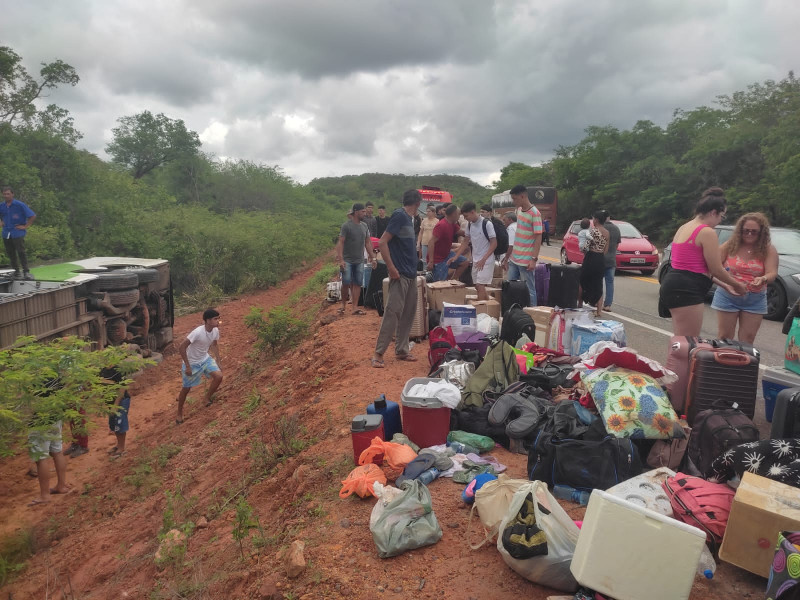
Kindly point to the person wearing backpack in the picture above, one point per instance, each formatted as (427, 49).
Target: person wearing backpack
(500, 231)
(480, 233)
(521, 261)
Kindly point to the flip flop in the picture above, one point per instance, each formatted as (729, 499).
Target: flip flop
(55, 492)
(117, 455)
(359, 312)
(38, 501)
(340, 311)
(377, 364)
(178, 421)
(416, 467)
(407, 357)
(113, 450)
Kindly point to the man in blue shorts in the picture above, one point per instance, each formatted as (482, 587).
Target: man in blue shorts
(353, 245)
(197, 362)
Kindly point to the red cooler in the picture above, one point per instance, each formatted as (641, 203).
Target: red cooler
(426, 421)
(363, 428)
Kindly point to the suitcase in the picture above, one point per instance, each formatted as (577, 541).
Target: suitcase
(379, 273)
(542, 279)
(564, 286)
(786, 416)
(721, 377)
(514, 292)
(678, 362)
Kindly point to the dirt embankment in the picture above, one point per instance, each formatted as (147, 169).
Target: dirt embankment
(99, 541)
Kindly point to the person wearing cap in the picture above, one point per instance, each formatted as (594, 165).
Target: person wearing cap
(194, 351)
(354, 240)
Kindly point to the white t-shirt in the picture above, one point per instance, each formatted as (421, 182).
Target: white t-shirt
(512, 232)
(200, 341)
(480, 244)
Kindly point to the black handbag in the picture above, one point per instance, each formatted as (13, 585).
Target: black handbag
(548, 376)
(583, 464)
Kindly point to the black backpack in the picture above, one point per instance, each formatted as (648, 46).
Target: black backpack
(714, 432)
(516, 322)
(500, 234)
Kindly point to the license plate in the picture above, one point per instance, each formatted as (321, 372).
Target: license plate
(638, 261)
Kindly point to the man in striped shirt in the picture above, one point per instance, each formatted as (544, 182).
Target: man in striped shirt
(522, 257)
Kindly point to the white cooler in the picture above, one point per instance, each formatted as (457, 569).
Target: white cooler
(630, 552)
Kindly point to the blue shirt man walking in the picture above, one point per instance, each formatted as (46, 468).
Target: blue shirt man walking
(15, 218)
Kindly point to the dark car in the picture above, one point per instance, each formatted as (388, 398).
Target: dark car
(634, 253)
(781, 293)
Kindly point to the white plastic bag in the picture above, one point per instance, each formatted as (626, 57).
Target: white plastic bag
(551, 569)
(488, 324)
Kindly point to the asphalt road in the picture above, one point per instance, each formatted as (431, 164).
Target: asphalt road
(636, 306)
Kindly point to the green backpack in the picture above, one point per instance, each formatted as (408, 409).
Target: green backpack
(498, 370)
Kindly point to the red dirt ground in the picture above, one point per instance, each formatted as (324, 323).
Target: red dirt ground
(99, 541)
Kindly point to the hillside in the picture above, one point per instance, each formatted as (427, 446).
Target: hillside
(276, 443)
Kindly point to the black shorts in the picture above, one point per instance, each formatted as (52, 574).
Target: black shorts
(683, 288)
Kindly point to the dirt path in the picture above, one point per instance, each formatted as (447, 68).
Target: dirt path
(101, 539)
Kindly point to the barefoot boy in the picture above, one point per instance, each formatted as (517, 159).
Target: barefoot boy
(197, 362)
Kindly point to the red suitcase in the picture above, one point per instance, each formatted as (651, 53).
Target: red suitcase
(721, 378)
(678, 361)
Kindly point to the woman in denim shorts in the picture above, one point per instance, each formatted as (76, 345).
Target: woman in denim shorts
(751, 258)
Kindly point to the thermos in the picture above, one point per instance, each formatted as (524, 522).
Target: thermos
(363, 429)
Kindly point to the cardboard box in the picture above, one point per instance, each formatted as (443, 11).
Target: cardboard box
(495, 293)
(471, 297)
(450, 291)
(497, 282)
(761, 509)
(490, 307)
(541, 316)
(498, 270)
(471, 291)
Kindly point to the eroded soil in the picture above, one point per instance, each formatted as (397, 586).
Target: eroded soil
(99, 541)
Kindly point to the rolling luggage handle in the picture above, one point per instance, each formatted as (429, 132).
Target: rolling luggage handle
(731, 359)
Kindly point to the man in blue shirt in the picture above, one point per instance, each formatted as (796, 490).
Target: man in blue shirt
(398, 247)
(15, 218)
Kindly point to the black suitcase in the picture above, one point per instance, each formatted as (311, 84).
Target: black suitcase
(786, 417)
(721, 377)
(564, 285)
(514, 292)
(379, 273)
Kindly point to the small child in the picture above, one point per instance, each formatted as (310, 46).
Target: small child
(118, 421)
(583, 235)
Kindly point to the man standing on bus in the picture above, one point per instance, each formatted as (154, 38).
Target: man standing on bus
(527, 242)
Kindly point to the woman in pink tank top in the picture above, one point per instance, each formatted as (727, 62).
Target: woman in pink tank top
(695, 261)
(750, 258)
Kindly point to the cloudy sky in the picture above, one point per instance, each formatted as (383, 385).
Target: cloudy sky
(335, 87)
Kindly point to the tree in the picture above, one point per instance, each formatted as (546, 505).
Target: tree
(145, 141)
(19, 91)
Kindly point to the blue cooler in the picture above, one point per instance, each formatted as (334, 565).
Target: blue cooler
(773, 380)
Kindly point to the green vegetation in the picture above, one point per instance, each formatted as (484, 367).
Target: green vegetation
(279, 331)
(46, 383)
(246, 520)
(146, 473)
(15, 550)
(653, 176)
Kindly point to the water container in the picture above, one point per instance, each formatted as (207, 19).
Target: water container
(426, 420)
(707, 566)
(630, 552)
(363, 428)
(391, 415)
(427, 476)
(566, 492)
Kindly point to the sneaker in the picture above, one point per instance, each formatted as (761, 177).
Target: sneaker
(78, 451)
(72, 447)
(28, 277)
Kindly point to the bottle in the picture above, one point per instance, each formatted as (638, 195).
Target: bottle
(706, 565)
(391, 415)
(427, 476)
(458, 447)
(565, 492)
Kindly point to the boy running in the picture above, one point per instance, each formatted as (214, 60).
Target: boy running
(197, 362)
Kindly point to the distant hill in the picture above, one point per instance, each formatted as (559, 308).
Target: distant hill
(384, 188)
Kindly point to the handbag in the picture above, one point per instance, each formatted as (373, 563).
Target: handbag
(492, 500)
(548, 376)
(583, 464)
(542, 536)
(669, 453)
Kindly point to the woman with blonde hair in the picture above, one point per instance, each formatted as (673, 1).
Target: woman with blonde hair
(749, 257)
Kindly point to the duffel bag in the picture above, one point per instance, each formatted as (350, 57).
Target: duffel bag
(715, 431)
(583, 464)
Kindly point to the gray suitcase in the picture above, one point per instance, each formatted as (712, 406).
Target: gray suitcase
(786, 417)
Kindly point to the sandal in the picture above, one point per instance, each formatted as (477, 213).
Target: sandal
(377, 364)
(407, 357)
(113, 450)
(117, 455)
(340, 311)
(38, 501)
(359, 312)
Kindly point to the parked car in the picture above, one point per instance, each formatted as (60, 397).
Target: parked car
(634, 253)
(781, 293)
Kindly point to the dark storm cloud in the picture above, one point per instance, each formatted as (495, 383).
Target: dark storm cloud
(317, 37)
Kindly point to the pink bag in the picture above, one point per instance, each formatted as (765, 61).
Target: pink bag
(700, 503)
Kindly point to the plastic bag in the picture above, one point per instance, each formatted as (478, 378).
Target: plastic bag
(397, 455)
(405, 523)
(492, 501)
(551, 569)
(360, 481)
(481, 442)
(385, 495)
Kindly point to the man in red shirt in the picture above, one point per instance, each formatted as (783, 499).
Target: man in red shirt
(444, 234)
